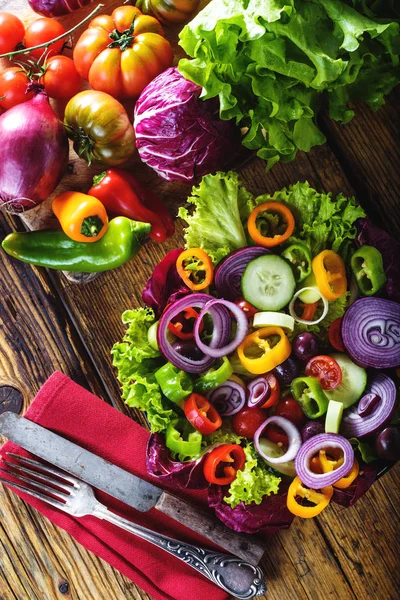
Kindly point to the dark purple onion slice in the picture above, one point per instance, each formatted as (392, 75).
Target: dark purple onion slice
(228, 275)
(323, 441)
(373, 410)
(371, 332)
(259, 392)
(222, 327)
(228, 398)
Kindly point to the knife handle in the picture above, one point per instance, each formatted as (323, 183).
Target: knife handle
(239, 544)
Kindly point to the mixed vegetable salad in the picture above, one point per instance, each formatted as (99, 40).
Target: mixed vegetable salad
(265, 356)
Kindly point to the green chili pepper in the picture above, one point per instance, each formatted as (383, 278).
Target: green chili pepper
(308, 392)
(367, 266)
(182, 439)
(55, 250)
(299, 256)
(175, 384)
(213, 377)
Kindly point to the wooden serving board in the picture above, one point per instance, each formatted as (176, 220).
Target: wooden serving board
(79, 175)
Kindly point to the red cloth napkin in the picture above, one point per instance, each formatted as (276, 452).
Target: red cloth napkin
(71, 411)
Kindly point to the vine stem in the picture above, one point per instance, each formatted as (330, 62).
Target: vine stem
(60, 37)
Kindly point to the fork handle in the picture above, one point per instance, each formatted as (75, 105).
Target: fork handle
(237, 577)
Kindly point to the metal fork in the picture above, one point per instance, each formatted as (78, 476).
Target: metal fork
(73, 496)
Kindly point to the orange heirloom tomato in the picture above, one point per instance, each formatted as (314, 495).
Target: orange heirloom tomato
(173, 11)
(120, 54)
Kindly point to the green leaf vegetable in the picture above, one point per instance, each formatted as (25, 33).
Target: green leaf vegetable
(253, 483)
(136, 362)
(270, 61)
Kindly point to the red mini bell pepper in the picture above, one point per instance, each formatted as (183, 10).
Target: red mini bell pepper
(222, 464)
(201, 414)
(124, 196)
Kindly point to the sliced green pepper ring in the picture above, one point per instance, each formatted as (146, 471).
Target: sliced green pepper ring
(308, 392)
(213, 377)
(367, 266)
(182, 439)
(299, 257)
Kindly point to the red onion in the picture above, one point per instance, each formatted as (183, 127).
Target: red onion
(259, 392)
(217, 349)
(34, 153)
(292, 433)
(56, 8)
(373, 410)
(323, 441)
(371, 332)
(222, 331)
(228, 398)
(228, 275)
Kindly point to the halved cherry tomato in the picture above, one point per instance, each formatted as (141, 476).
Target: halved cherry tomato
(181, 325)
(13, 84)
(247, 421)
(201, 414)
(275, 390)
(326, 370)
(222, 464)
(41, 31)
(12, 32)
(248, 309)
(275, 434)
(335, 336)
(61, 79)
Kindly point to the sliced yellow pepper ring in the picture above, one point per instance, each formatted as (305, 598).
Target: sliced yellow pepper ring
(346, 481)
(324, 464)
(271, 357)
(330, 274)
(319, 499)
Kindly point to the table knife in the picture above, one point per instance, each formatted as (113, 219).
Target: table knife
(124, 486)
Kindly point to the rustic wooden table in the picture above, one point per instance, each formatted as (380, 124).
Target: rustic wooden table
(48, 323)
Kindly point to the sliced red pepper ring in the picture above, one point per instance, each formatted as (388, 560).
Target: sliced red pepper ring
(309, 311)
(195, 268)
(181, 326)
(272, 229)
(201, 414)
(222, 464)
(298, 493)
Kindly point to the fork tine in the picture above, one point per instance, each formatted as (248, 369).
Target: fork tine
(38, 495)
(38, 475)
(37, 485)
(45, 467)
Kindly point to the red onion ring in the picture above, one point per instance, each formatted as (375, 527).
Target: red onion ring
(220, 331)
(373, 410)
(228, 398)
(371, 332)
(259, 392)
(221, 320)
(228, 275)
(323, 441)
(291, 431)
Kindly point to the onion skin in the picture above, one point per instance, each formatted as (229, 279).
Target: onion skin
(34, 154)
(56, 8)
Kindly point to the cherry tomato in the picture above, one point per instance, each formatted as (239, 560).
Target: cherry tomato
(41, 31)
(335, 336)
(61, 79)
(247, 421)
(248, 309)
(13, 83)
(276, 435)
(275, 389)
(12, 32)
(326, 370)
(291, 410)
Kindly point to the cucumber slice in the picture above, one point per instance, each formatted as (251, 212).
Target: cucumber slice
(354, 381)
(264, 319)
(333, 416)
(268, 282)
(271, 449)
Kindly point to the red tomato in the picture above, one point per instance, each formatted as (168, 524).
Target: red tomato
(247, 421)
(61, 79)
(326, 370)
(248, 309)
(335, 336)
(13, 83)
(291, 410)
(275, 390)
(275, 434)
(41, 31)
(12, 32)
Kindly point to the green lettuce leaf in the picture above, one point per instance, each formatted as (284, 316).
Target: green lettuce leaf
(136, 362)
(269, 62)
(221, 202)
(253, 482)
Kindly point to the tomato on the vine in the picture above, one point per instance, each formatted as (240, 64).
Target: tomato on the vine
(247, 421)
(61, 79)
(43, 30)
(12, 32)
(13, 84)
(326, 370)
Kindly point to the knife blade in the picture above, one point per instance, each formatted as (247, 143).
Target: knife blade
(120, 484)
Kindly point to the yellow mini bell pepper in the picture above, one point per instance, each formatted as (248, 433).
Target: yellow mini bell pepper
(271, 357)
(325, 464)
(319, 499)
(330, 274)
